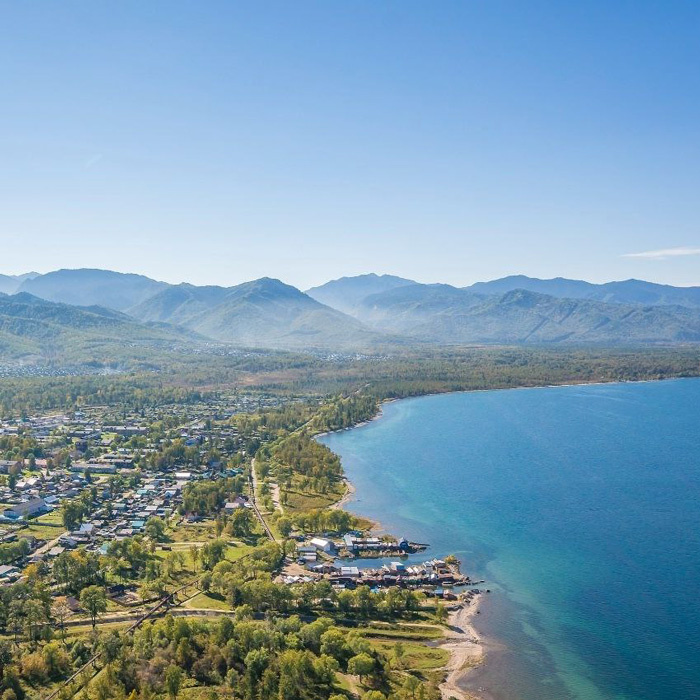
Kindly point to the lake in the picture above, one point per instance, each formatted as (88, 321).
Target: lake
(579, 505)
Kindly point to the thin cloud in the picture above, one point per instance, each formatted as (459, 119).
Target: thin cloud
(664, 254)
(93, 161)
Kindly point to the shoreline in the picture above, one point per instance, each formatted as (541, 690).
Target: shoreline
(383, 402)
(460, 638)
(466, 649)
(465, 645)
(350, 491)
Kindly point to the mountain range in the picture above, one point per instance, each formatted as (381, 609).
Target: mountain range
(626, 292)
(34, 327)
(46, 313)
(444, 314)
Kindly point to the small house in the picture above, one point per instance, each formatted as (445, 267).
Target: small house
(322, 544)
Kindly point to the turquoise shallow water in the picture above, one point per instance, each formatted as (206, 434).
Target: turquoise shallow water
(579, 505)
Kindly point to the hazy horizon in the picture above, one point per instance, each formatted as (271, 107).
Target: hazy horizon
(330, 279)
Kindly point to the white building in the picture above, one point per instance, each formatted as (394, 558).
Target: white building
(322, 544)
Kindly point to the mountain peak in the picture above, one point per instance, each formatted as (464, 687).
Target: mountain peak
(347, 293)
(89, 286)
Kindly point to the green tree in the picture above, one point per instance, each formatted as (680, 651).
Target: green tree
(441, 613)
(94, 601)
(333, 644)
(194, 555)
(410, 687)
(373, 695)
(34, 619)
(173, 680)
(361, 665)
(241, 522)
(155, 529)
(212, 553)
(284, 525)
(71, 514)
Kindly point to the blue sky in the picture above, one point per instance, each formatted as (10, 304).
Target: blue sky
(460, 141)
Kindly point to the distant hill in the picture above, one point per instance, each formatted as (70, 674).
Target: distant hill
(9, 284)
(36, 327)
(87, 287)
(26, 276)
(262, 313)
(347, 293)
(444, 314)
(625, 292)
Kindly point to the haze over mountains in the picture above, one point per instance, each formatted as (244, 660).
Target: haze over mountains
(30, 326)
(265, 313)
(520, 309)
(627, 292)
(347, 293)
(9, 284)
(360, 313)
(86, 287)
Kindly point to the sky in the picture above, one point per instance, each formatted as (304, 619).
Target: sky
(217, 142)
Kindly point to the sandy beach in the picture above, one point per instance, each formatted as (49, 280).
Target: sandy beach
(465, 647)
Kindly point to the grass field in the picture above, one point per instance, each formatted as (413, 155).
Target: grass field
(41, 532)
(296, 500)
(207, 602)
(409, 632)
(52, 518)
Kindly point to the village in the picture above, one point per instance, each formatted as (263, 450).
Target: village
(127, 473)
(115, 518)
(111, 467)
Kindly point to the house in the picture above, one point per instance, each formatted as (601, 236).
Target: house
(237, 502)
(322, 544)
(7, 464)
(8, 572)
(354, 543)
(25, 510)
(27, 484)
(68, 541)
(93, 468)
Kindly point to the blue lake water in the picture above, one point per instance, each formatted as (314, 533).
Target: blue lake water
(579, 505)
